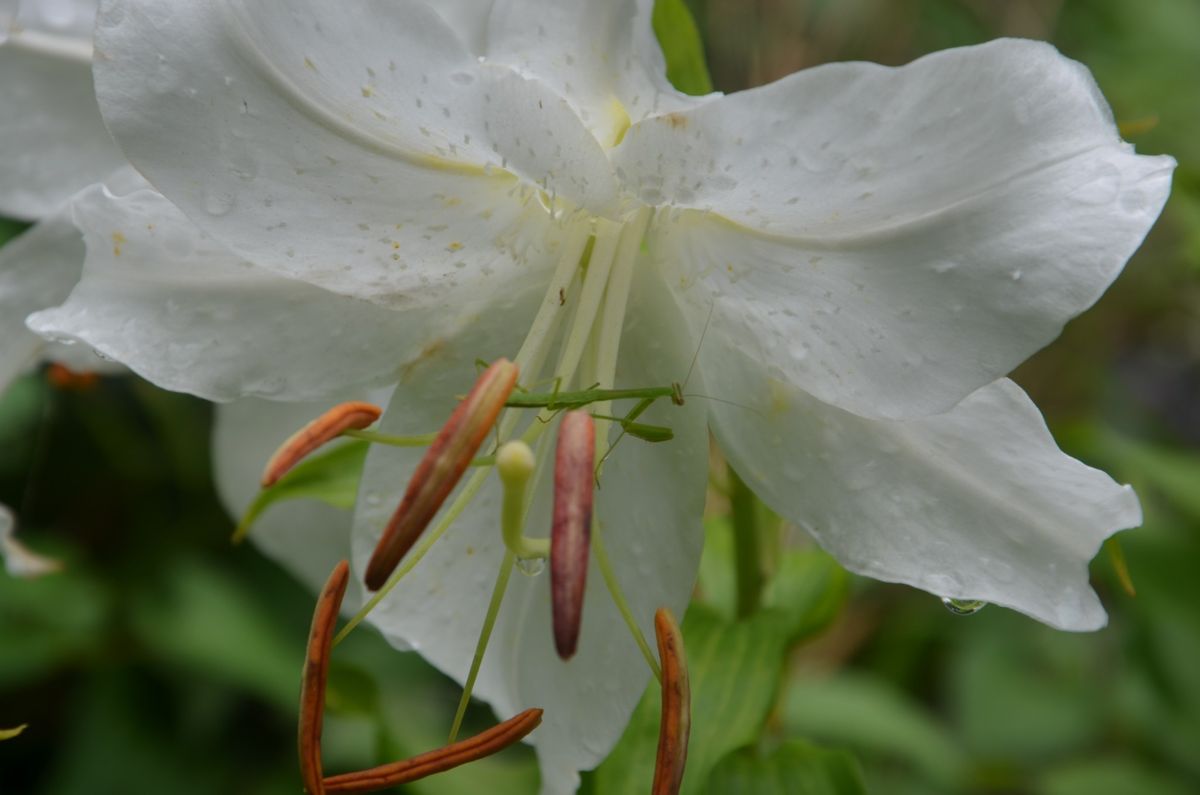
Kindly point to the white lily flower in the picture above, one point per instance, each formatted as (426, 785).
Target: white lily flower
(61, 170)
(54, 144)
(869, 249)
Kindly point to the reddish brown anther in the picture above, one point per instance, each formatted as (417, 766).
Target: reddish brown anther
(483, 744)
(676, 719)
(439, 471)
(316, 671)
(571, 528)
(63, 377)
(354, 415)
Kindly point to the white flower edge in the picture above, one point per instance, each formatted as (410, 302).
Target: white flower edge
(55, 141)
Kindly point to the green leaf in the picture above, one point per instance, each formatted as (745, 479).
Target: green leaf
(795, 768)
(871, 716)
(716, 584)
(809, 590)
(50, 622)
(331, 477)
(210, 624)
(734, 669)
(681, 45)
(1024, 695)
(1119, 776)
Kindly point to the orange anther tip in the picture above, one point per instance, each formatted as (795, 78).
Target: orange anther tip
(451, 756)
(313, 679)
(676, 718)
(63, 377)
(441, 468)
(354, 415)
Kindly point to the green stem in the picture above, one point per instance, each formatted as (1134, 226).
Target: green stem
(485, 633)
(747, 555)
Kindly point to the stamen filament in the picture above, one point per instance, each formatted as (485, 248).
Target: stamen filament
(410, 561)
(530, 357)
(485, 633)
(618, 597)
(607, 238)
(375, 437)
(615, 304)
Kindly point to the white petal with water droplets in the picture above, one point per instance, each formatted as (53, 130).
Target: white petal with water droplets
(976, 503)
(37, 270)
(54, 140)
(178, 308)
(380, 170)
(603, 57)
(909, 322)
(69, 18)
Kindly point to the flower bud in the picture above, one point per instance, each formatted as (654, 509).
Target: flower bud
(676, 721)
(344, 416)
(571, 528)
(439, 471)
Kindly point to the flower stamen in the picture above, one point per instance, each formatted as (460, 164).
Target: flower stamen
(484, 744)
(570, 529)
(676, 718)
(441, 468)
(354, 415)
(316, 673)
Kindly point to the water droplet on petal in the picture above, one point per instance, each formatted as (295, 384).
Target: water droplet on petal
(531, 567)
(219, 203)
(963, 607)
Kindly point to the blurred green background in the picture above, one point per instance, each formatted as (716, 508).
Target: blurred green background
(164, 660)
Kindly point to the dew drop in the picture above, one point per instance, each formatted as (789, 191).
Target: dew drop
(59, 13)
(531, 567)
(219, 203)
(963, 607)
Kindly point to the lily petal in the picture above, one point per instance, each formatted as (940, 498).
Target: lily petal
(394, 170)
(306, 537)
(54, 140)
(242, 331)
(648, 508)
(900, 237)
(905, 326)
(73, 18)
(37, 269)
(976, 503)
(602, 57)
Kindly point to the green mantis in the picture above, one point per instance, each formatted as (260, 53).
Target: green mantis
(564, 401)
